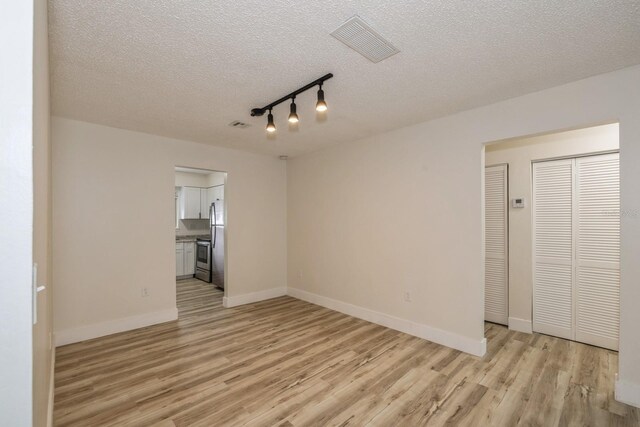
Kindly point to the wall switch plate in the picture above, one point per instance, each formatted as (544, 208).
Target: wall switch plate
(145, 292)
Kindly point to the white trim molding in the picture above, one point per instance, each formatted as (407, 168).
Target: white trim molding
(420, 330)
(236, 300)
(520, 325)
(51, 388)
(627, 392)
(70, 336)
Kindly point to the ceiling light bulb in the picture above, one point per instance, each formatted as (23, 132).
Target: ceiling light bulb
(293, 116)
(321, 105)
(271, 127)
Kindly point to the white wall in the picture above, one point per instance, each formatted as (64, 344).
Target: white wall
(403, 211)
(191, 179)
(216, 178)
(518, 154)
(114, 229)
(43, 352)
(200, 180)
(16, 215)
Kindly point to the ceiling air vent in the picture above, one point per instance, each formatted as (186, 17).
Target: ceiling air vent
(238, 124)
(359, 36)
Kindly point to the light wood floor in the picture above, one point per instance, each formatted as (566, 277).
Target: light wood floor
(289, 363)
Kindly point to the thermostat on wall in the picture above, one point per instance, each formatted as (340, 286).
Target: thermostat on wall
(517, 202)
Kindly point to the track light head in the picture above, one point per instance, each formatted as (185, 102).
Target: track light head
(321, 106)
(293, 116)
(271, 127)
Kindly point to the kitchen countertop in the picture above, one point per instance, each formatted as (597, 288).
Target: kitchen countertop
(190, 238)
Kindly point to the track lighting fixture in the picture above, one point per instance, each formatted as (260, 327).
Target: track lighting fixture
(293, 116)
(321, 105)
(271, 127)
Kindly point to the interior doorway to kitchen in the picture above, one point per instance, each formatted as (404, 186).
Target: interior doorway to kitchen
(200, 237)
(552, 235)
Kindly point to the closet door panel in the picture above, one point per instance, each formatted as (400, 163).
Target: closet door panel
(598, 250)
(496, 266)
(553, 248)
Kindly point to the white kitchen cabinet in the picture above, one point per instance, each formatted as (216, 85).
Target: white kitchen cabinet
(190, 204)
(195, 201)
(185, 259)
(205, 202)
(189, 258)
(180, 259)
(216, 193)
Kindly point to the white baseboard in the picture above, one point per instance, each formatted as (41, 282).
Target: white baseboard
(627, 392)
(520, 325)
(51, 388)
(237, 300)
(439, 336)
(70, 336)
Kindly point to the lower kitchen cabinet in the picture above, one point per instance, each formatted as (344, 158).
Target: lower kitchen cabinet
(185, 259)
(190, 258)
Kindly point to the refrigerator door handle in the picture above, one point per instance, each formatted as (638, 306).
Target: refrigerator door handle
(215, 229)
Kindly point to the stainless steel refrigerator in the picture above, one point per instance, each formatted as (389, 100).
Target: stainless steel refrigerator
(216, 218)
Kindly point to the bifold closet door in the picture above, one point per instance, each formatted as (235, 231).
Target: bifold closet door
(576, 232)
(496, 301)
(553, 248)
(597, 292)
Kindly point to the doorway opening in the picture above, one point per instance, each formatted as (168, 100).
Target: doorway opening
(552, 234)
(200, 236)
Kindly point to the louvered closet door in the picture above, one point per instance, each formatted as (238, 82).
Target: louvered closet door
(553, 248)
(598, 250)
(496, 301)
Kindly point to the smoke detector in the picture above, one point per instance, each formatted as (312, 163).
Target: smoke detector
(239, 124)
(359, 36)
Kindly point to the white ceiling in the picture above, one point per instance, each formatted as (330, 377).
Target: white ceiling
(186, 69)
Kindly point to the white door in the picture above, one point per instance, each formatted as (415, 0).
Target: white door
(598, 250)
(577, 249)
(496, 278)
(553, 248)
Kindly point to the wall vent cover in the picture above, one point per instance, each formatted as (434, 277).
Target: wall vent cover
(359, 36)
(239, 124)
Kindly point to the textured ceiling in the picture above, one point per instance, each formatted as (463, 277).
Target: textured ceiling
(186, 69)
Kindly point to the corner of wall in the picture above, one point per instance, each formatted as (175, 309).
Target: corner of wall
(420, 330)
(520, 325)
(627, 392)
(96, 330)
(234, 301)
(51, 388)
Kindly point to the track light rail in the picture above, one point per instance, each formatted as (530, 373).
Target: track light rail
(260, 111)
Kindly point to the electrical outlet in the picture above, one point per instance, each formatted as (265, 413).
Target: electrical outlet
(300, 274)
(145, 292)
(407, 297)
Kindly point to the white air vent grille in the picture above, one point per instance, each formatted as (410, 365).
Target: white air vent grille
(360, 37)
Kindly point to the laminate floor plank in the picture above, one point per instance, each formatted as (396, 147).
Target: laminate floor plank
(285, 362)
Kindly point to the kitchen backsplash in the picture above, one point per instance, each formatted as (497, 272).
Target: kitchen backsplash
(193, 226)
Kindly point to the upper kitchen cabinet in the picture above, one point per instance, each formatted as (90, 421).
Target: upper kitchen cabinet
(205, 202)
(190, 203)
(216, 193)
